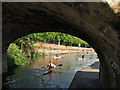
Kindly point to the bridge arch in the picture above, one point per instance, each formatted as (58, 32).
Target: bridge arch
(88, 21)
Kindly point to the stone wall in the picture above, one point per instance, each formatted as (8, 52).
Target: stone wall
(51, 52)
(95, 23)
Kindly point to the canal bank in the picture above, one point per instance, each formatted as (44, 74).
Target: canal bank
(51, 49)
(53, 52)
(87, 77)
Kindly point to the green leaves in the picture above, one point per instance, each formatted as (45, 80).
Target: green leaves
(15, 57)
(53, 37)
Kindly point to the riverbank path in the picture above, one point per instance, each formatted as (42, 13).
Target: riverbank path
(87, 77)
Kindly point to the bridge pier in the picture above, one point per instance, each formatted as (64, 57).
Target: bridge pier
(4, 58)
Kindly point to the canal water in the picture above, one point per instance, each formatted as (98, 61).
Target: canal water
(32, 76)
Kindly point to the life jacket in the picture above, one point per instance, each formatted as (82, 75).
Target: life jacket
(50, 67)
(57, 55)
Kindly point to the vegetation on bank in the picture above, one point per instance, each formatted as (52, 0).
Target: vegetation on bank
(17, 58)
(53, 38)
(22, 51)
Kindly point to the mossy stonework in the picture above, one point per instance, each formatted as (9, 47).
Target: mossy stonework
(95, 23)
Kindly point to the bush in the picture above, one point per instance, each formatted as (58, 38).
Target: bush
(43, 54)
(15, 57)
(32, 54)
(38, 54)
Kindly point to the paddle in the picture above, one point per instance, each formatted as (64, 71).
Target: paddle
(56, 67)
(60, 65)
(51, 71)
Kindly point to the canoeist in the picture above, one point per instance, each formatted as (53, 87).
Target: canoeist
(57, 55)
(82, 56)
(51, 66)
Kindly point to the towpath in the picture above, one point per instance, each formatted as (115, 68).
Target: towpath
(87, 77)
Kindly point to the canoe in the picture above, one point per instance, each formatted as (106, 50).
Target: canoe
(57, 57)
(81, 58)
(49, 71)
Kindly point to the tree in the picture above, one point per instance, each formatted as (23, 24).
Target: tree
(52, 37)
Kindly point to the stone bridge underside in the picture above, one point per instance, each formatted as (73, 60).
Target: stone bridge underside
(93, 22)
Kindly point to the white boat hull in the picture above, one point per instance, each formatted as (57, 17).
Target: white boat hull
(57, 57)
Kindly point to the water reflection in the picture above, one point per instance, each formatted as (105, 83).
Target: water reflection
(32, 75)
